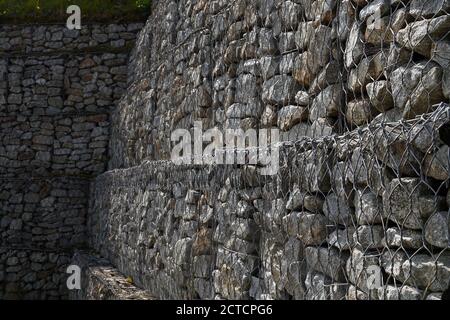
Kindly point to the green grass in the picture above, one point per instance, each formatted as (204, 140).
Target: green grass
(54, 11)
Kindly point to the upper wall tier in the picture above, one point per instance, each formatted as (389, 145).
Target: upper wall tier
(309, 68)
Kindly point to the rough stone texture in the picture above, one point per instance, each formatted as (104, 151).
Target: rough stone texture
(408, 239)
(356, 187)
(409, 202)
(420, 271)
(437, 230)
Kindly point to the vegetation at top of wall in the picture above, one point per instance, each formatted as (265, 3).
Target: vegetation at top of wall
(54, 11)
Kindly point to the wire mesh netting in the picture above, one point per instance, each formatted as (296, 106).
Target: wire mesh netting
(358, 216)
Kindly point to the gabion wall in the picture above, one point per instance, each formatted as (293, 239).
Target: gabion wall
(359, 208)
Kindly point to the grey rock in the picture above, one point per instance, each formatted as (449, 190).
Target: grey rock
(419, 271)
(204, 288)
(354, 294)
(306, 68)
(329, 75)
(290, 14)
(287, 41)
(427, 93)
(291, 115)
(245, 229)
(182, 251)
(296, 133)
(369, 237)
(380, 7)
(298, 200)
(319, 45)
(397, 56)
(327, 103)
(378, 31)
(446, 83)
(202, 266)
(242, 111)
(408, 201)
(320, 128)
(314, 164)
(437, 165)
(296, 274)
(380, 95)
(269, 67)
(342, 187)
(360, 269)
(192, 196)
(342, 238)
(368, 70)
(359, 112)
(419, 36)
(316, 284)
(287, 63)
(408, 239)
(267, 42)
(329, 261)
(399, 293)
(354, 49)
(269, 117)
(395, 151)
(323, 10)
(280, 90)
(302, 98)
(290, 223)
(303, 35)
(437, 230)
(368, 208)
(345, 17)
(312, 228)
(367, 170)
(434, 296)
(406, 79)
(440, 53)
(428, 9)
(337, 210)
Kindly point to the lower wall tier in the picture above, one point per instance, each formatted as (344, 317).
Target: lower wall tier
(361, 216)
